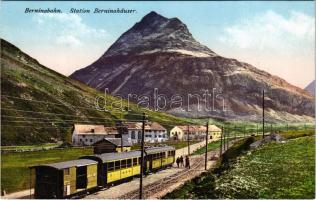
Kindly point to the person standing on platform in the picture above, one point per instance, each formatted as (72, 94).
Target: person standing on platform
(187, 162)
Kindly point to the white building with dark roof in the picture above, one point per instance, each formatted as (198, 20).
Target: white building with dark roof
(154, 132)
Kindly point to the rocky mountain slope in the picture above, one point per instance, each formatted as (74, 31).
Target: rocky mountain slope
(311, 88)
(40, 105)
(161, 53)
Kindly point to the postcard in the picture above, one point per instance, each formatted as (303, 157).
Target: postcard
(157, 99)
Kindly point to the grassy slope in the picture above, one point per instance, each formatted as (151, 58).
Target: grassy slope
(273, 171)
(23, 77)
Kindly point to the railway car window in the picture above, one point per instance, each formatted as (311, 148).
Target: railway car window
(117, 165)
(129, 162)
(111, 166)
(67, 171)
(164, 154)
(134, 161)
(123, 163)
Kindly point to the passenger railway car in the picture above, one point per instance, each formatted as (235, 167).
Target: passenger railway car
(88, 173)
(113, 167)
(159, 157)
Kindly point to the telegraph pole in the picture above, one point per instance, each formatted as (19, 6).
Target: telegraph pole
(227, 140)
(206, 140)
(262, 113)
(188, 140)
(224, 137)
(142, 159)
(220, 150)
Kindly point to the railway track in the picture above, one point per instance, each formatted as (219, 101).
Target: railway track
(196, 168)
(164, 183)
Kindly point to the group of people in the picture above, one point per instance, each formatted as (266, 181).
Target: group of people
(179, 162)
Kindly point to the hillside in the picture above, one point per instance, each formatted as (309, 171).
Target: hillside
(273, 171)
(40, 105)
(159, 52)
(311, 88)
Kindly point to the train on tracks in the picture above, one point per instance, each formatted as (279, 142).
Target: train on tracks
(94, 172)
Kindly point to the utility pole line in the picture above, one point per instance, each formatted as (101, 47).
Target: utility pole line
(227, 138)
(206, 141)
(224, 137)
(262, 113)
(142, 159)
(220, 150)
(188, 140)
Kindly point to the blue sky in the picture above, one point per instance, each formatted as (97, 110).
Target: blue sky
(276, 36)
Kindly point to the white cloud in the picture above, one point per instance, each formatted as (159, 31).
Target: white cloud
(270, 30)
(68, 40)
(68, 29)
(282, 45)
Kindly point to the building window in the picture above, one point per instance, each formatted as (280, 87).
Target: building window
(133, 135)
(83, 136)
(139, 135)
(91, 140)
(80, 140)
(86, 140)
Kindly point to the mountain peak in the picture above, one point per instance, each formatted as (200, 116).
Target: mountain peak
(153, 15)
(155, 33)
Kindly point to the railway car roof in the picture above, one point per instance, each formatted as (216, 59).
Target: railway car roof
(130, 154)
(159, 149)
(116, 156)
(71, 163)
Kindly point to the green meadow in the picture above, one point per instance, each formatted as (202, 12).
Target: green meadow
(15, 173)
(273, 171)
